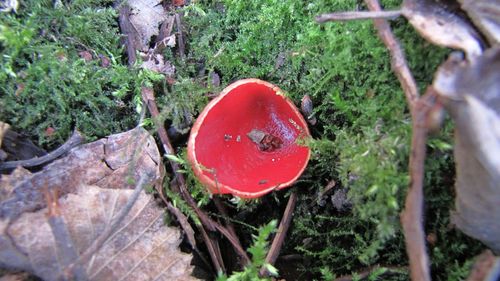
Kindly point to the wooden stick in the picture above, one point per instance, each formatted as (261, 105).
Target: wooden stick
(412, 215)
(180, 38)
(128, 30)
(278, 240)
(361, 15)
(398, 61)
(149, 99)
(73, 141)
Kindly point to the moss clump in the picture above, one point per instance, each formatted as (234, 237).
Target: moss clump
(44, 80)
(363, 122)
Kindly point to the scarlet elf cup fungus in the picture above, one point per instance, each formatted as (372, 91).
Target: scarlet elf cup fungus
(247, 141)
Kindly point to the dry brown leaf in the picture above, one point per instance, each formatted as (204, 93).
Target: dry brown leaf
(469, 91)
(93, 188)
(108, 162)
(157, 63)
(146, 17)
(141, 249)
(441, 26)
(486, 16)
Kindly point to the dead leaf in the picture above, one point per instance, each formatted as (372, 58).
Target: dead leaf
(142, 248)
(158, 64)
(441, 26)
(109, 162)
(486, 16)
(469, 91)
(93, 188)
(146, 17)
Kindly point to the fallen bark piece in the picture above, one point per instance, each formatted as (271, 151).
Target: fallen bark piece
(142, 248)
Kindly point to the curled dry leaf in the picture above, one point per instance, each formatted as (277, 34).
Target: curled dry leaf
(141, 249)
(441, 26)
(146, 17)
(108, 162)
(93, 188)
(469, 91)
(486, 16)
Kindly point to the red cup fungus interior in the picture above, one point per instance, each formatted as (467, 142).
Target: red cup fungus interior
(247, 141)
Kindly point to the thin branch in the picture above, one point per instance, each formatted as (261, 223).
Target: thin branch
(180, 38)
(128, 30)
(412, 215)
(213, 251)
(398, 61)
(278, 240)
(73, 141)
(222, 209)
(361, 15)
(149, 99)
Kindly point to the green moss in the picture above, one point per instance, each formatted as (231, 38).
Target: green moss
(363, 131)
(45, 83)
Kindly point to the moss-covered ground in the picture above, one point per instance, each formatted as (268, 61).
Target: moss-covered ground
(361, 140)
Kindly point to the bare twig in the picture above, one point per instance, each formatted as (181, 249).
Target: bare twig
(365, 273)
(65, 247)
(213, 250)
(344, 16)
(73, 141)
(149, 99)
(101, 239)
(412, 215)
(128, 31)
(398, 61)
(278, 240)
(222, 210)
(180, 38)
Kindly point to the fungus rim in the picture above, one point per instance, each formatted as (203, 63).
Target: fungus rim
(212, 185)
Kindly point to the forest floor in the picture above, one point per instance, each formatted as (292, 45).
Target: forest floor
(66, 66)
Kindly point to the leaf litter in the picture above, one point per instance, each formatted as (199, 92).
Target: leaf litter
(93, 184)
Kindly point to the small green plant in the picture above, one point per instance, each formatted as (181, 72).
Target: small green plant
(258, 250)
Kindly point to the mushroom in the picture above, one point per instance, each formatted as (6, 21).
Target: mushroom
(249, 141)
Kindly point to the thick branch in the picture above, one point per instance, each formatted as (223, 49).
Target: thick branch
(73, 141)
(345, 16)
(274, 251)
